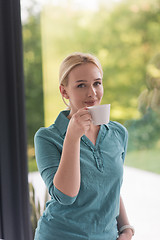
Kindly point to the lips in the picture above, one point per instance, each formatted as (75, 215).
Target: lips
(90, 103)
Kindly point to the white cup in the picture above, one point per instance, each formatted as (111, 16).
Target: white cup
(100, 114)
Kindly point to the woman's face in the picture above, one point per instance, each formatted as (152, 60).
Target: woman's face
(84, 87)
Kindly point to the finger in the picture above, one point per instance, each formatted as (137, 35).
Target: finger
(83, 111)
(85, 117)
(87, 122)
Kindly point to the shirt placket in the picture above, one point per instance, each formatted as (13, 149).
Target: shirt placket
(98, 159)
(96, 150)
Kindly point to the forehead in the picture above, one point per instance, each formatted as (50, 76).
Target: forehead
(84, 71)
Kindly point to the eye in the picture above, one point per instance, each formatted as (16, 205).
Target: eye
(82, 85)
(97, 83)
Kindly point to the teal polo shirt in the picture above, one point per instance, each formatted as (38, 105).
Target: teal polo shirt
(92, 214)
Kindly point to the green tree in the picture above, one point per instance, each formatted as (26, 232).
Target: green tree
(144, 133)
(128, 39)
(33, 74)
(124, 37)
(150, 97)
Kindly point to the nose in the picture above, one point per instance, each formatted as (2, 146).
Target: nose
(91, 91)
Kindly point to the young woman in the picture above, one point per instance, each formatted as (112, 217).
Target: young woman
(82, 164)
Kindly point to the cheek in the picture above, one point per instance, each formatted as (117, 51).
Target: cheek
(77, 96)
(101, 91)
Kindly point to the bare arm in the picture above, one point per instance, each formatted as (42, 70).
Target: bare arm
(67, 178)
(123, 220)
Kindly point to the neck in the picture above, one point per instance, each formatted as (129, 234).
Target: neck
(94, 127)
(70, 114)
(92, 133)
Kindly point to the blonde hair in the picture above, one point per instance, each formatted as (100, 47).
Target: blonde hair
(73, 60)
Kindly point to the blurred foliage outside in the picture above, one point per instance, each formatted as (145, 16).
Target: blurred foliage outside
(33, 74)
(125, 37)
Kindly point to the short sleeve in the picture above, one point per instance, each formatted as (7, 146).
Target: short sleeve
(122, 135)
(48, 157)
(125, 143)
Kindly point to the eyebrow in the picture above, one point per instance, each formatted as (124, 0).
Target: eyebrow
(86, 80)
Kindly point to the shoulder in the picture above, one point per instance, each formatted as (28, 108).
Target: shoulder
(117, 126)
(119, 130)
(46, 132)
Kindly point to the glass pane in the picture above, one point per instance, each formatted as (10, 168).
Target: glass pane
(124, 35)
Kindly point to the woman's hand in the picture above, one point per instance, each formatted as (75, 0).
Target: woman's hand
(68, 178)
(122, 220)
(79, 124)
(126, 235)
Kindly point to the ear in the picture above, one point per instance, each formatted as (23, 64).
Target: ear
(63, 91)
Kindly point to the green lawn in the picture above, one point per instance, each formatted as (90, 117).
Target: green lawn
(32, 166)
(148, 160)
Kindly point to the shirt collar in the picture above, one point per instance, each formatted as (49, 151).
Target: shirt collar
(106, 125)
(62, 122)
